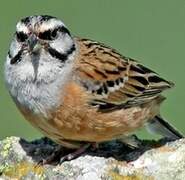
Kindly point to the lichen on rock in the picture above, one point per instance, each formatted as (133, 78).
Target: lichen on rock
(153, 160)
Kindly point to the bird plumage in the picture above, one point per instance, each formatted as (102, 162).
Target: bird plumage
(78, 90)
(115, 79)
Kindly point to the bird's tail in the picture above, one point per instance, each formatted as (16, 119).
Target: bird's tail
(160, 126)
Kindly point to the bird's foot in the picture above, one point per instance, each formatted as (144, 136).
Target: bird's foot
(75, 154)
(62, 154)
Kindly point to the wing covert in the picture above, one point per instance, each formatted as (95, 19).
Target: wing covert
(115, 80)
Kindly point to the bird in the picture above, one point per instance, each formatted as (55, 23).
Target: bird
(78, 91)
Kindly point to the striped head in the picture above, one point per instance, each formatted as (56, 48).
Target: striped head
(40, 43)
(41, 53)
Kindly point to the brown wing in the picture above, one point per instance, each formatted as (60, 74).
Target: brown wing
(115, 80)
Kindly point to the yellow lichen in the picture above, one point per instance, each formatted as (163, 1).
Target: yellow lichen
(166, 149)
(6, 146)
(22, 169)
(4, 167)
(116, 176)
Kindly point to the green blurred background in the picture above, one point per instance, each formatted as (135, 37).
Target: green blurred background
(150, 31)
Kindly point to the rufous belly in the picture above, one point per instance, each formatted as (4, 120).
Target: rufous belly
(76, 120)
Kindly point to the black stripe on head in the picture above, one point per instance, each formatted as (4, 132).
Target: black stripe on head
(26, 20)
(61, 56)
(47, 17)
(51, 34)
(17, 58)
(63, 29)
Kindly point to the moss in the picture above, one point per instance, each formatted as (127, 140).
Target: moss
(22, 169)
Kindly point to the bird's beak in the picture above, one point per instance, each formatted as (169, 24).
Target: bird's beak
(33, 44)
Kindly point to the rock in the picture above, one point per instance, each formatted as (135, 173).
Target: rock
(153, 160)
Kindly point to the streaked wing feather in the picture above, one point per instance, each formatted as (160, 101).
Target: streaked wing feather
(115, 80)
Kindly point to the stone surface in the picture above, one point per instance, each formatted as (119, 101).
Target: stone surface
(153, 160)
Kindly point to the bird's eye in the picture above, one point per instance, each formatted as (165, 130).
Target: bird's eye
(48, 35)
(21, 36)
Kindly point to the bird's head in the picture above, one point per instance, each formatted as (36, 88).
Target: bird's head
(41, 44)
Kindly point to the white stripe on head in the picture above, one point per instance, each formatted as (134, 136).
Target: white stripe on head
(44, 23)
(51, 24)
(21, 27)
